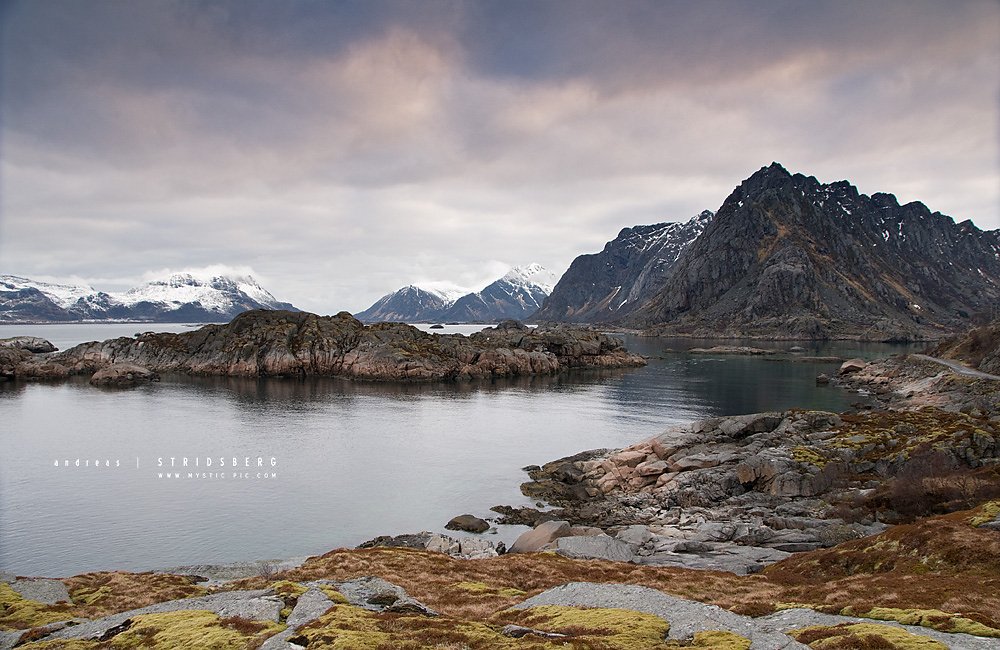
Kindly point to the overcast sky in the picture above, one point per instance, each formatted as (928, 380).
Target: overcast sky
(340, 150)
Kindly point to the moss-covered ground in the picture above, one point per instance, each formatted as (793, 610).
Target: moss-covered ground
(942, 572)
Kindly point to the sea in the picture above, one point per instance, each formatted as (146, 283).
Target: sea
(216, 470)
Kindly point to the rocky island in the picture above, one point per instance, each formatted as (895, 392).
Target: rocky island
(263, 343)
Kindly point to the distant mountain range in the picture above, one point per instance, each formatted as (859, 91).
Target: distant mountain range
(518, 295)
(180, 298)
(789, 257)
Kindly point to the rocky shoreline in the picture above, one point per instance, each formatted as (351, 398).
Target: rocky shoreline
(266, 343)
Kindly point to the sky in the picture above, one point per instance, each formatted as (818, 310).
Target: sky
(340, 150)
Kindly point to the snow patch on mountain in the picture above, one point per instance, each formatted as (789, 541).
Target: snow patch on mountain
(186, 296)
(533, 274)
(64, 295)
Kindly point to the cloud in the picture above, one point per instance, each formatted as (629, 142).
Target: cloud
(344, 150)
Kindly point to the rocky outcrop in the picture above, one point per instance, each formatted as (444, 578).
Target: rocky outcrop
(123, 375)
(789, 257)
(741, 492)
(466, 548)
(294, 344)
(28, 343)
(916, 381)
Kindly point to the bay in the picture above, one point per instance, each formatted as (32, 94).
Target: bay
(352, 460)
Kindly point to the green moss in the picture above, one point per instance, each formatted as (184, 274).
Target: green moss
(344, 627)
(63, 644)
(288, 589)
(863, 635)
(18, 613)
(987, 512)
(809, 456)
(193, 629)
(719, 640)
(932, 618)
(333, 594)
(612, 628)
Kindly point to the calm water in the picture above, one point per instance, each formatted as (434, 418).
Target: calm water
(352, 460)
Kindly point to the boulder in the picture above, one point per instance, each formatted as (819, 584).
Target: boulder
(468, 523)
(852, 365)
(635, 535)
(123, 375)
(539, 537)
(28, 344)
(822, 379)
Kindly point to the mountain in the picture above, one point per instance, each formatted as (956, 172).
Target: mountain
(182, 297)
(631, 268)
(518, 294)
(410, 304)
(788, 256)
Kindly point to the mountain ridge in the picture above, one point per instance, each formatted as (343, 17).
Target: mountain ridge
(516, 295)
(603, 286)
(788, 256)
(180, 297)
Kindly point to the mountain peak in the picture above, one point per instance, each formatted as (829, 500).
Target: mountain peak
(532, 274)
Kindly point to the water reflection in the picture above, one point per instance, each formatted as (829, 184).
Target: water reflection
(357, 459)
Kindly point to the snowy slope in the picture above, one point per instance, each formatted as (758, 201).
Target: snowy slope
(181, 297)
(518, 294)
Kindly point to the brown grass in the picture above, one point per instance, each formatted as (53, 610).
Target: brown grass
(109, 592)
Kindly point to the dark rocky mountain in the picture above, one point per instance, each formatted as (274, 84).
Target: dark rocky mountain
(629, 271)
(516, 295)
(180, 298)
(788, 256)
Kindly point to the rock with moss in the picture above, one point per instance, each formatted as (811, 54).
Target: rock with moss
(683, 618)
(738, 493)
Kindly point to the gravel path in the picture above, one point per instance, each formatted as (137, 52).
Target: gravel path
(958, 368)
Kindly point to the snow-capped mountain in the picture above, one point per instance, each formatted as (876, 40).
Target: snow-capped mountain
(182, 297)
(518, 294)
(410, 304)
(628, 271)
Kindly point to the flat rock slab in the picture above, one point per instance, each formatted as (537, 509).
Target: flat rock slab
(44, 590)
(310, 606)
(257, 604)
(792, 619)
(741, 560)
(219, 573)
(685, 616)
(597, 547)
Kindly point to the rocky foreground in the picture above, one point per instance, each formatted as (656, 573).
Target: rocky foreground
(933, 584)
(295, 344)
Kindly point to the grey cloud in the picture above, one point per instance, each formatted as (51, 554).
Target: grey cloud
(344, 149)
